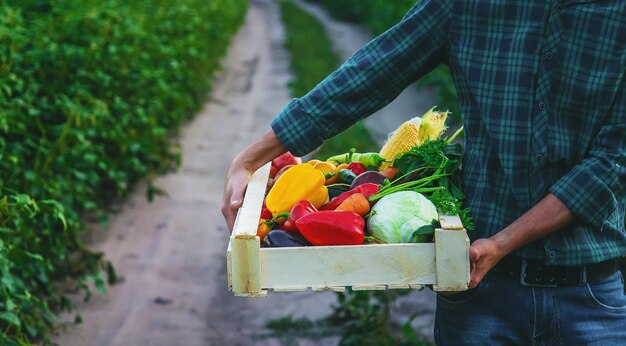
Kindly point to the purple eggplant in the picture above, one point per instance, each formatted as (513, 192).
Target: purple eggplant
(368, 177)
(279, 238)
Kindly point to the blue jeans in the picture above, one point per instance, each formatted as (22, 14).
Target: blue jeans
(500, 311)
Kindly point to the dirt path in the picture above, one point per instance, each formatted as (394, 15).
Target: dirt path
(171, 253)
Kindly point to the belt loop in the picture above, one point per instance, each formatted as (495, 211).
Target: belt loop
(583, 275)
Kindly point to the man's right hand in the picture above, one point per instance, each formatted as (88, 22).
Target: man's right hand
(235, 186)
(260, 152)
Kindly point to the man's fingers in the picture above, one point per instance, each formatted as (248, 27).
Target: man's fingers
(235, 203)
(233, 197)
(474, 254)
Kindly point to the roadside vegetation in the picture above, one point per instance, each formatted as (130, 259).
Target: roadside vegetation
(359, 317)
(91, 93)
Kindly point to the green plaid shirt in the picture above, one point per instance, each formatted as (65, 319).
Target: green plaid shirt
(541, 86)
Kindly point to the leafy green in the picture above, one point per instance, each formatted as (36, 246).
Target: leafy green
(403, 217)
(91, 94)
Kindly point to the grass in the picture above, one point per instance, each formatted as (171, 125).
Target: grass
(312, 59)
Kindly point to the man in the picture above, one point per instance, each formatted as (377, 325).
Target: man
(543, 96)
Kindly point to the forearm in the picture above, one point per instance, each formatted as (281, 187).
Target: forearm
(548, 216)
(369, 80)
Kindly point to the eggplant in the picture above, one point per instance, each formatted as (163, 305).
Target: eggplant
(335, 190)
(374, 177)
(280, 238)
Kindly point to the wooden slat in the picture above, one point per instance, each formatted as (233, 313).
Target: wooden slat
(451, 260)
(398, 287)
(248, 216)
(326, 288)
(261, 294)
(229, 255)
(291, 289)
(244, 244)
(450, 222)
(245, 269)
(357, 265)
(229, 266)
(369, 288)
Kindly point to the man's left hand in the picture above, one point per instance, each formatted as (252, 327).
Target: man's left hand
(484, 255)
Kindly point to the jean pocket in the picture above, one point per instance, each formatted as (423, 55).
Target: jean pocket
(609, 294)
(461, 298)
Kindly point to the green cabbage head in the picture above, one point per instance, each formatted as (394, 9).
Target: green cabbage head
(403, 217)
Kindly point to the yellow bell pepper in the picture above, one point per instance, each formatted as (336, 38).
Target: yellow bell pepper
(331, 173)
(295, 184)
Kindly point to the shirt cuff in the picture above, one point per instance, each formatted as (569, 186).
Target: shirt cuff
(589, 198)
(296, 130)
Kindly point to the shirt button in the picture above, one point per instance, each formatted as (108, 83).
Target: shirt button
(552, 254)
(538, 157)
(542, 105)
(549, 55)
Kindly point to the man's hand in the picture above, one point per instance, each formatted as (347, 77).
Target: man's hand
(548, 216)
(484, 255)
(261, 151)
(236, 181)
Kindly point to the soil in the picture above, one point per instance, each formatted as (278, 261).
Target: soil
(170, 254)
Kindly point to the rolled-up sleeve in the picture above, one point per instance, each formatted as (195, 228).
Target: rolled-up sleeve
(595, 189)
(369, 80)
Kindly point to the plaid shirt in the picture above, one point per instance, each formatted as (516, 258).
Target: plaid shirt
(542, 92)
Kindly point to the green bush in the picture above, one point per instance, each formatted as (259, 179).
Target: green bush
(91, 93)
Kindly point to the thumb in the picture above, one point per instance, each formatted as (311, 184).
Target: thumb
(236, 202)
(474, 254)
(238, 191)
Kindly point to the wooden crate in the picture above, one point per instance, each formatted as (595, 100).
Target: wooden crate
(253, 270)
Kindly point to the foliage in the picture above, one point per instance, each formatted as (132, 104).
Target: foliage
(91, 93)
(380, 15)
(358, 318)
(441, 159)
(312, 59)
(364, 319)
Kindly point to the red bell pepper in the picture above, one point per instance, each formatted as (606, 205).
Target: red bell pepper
(301, 208)
(367, 189)
(329, 227)
(265, 213)
(357, 168)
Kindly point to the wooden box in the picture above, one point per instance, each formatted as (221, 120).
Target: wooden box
(253, 270)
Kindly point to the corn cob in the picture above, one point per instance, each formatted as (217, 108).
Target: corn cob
(432, 126)
(400, 141)
(413, 133)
